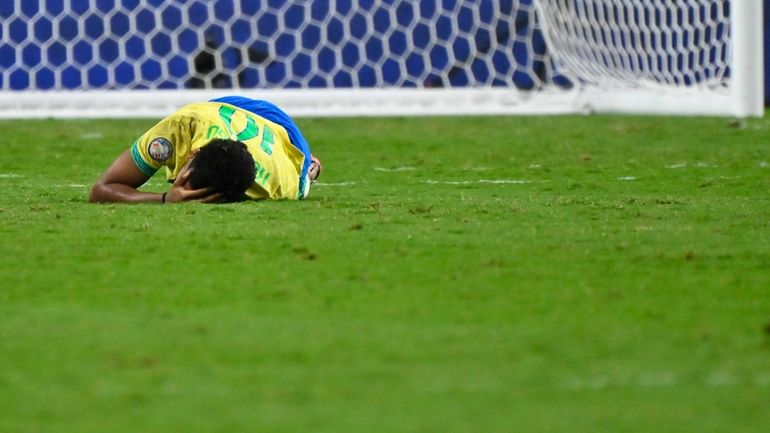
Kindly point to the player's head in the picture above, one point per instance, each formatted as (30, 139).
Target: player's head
(226, 166)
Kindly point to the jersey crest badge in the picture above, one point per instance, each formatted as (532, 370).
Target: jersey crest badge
(160, 149)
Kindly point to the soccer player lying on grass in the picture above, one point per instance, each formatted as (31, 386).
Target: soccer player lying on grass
(228, 149)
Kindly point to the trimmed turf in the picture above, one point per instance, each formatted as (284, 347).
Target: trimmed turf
(572, 274)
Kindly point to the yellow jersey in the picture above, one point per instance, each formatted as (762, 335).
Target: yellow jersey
(171, 141)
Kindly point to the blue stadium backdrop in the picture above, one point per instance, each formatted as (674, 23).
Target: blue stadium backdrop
(124, 48)
(119, 59)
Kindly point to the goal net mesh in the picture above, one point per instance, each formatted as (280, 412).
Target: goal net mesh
(522, 45)
(641, 42)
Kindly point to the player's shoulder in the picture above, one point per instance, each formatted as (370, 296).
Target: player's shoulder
(196, 109)
(193, 114)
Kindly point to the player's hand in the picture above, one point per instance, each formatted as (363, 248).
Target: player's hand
(315, 169)
(179, 193)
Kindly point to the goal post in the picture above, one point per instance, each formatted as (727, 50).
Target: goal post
(748, 54)
(668, 56)
(145, 58)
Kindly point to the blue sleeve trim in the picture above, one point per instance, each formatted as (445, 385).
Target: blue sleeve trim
(140, 164)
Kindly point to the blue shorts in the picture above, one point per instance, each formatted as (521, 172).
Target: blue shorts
(274, 114)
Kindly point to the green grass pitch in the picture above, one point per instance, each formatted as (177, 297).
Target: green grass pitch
(494, 274)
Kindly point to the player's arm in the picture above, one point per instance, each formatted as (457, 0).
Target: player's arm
(120, 182)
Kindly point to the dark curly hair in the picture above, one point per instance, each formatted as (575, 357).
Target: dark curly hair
(225, 165)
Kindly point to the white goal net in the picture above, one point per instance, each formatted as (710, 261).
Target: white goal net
(113, 58)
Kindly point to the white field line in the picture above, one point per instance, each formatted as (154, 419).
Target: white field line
(442, 182)
(763, 164)
(350, 183)
(396, 169)
(471, 182)
(462, 182)
(697, 164)
(664, 380)
(9, 175)
(678, 165)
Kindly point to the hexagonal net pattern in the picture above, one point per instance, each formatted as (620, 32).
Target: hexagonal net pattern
(644, 42)
(177, 44)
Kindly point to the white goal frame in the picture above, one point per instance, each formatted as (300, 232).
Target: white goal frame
(743, 96)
